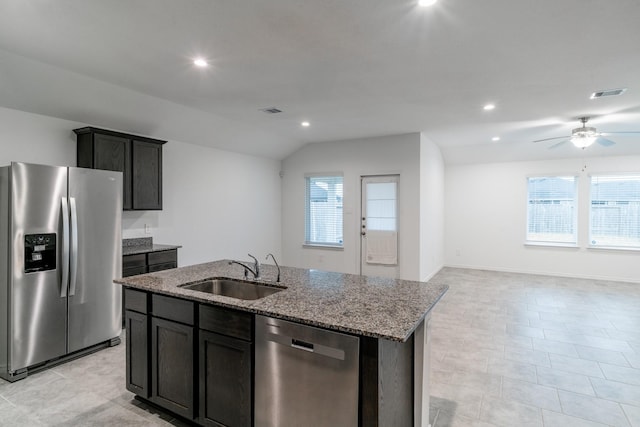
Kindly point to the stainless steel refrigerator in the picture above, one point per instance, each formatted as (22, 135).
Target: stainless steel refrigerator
(60, 249)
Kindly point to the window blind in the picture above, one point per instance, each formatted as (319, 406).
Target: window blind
(615, 211)
(323, 212)
(551, 209)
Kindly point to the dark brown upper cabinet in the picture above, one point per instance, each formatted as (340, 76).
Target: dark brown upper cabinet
(138, 158)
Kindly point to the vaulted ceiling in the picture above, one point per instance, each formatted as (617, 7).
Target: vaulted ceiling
(352, 68)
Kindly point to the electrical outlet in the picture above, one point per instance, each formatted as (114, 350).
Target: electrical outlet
(147, 229)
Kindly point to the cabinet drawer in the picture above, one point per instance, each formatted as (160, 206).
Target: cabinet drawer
(163, 257)
(232, 323)
(137, 260)
(133, 271)
(173, 309)
(160, 267)
(135, 300)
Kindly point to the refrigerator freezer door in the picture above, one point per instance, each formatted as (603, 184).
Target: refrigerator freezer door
(95, 199)
(37, 311)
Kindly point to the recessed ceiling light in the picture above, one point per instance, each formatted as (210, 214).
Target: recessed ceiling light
(495, 138)
(305, 124)
(427, 2)
(489, 107)
(200, 62)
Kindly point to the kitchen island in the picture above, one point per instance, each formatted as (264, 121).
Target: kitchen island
(190, 351)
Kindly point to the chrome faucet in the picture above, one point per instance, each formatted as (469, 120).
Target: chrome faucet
(255, 270)
(256, 266)
(277, 266)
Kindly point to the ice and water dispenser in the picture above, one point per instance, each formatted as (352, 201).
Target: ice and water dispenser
(39, 252)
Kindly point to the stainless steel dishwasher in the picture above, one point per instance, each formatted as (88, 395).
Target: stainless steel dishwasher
(305, 376)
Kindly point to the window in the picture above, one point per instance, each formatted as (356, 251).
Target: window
(551, 210)
(615, 211)
(323, 213)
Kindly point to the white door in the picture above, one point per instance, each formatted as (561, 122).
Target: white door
(379, 226)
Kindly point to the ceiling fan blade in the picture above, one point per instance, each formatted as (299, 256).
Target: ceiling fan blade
(551, 139)
(605, 142)
(623, 132)
(554, 146)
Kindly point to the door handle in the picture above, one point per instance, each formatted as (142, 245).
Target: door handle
(65, 248)
(74, 247)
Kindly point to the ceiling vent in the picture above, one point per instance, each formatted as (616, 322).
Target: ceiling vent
(610, 92)
(271, 110)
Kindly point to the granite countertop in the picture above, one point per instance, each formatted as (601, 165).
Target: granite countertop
(143, 245)
(371, 306)
(143, 249)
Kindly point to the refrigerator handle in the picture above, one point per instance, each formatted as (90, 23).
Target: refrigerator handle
(73, 264)
(65, 248)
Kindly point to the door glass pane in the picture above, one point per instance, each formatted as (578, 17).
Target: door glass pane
(381, 206)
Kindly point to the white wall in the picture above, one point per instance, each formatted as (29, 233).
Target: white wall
(485, 222)
(217, 204)
(399, 154)
(431, 209)
(32, 138)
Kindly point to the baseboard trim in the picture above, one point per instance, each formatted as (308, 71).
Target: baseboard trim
(433, 274)
(546, 273)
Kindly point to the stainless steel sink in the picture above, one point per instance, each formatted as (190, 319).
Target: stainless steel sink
(232, 288)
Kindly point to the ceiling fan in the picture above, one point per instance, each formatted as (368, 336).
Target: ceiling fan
(583, 136)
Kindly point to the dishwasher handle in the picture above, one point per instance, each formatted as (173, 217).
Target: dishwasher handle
(296, 344)
(301, 345)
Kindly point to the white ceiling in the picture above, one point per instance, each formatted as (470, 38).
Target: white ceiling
(353, 68)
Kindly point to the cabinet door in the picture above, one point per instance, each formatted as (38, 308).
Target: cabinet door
(172, 351)
(147, 175)
(137, 353)
(225, 381)
(114, 153)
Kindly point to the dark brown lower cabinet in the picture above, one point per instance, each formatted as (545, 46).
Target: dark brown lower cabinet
(135, 264)
(137, 325)
(172, 373)
(149, 262)
(225, 380)
(197, 361)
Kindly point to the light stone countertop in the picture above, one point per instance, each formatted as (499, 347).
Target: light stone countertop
(371, 306)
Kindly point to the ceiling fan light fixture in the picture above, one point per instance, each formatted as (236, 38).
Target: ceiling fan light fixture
(583, 141)
(584, 136)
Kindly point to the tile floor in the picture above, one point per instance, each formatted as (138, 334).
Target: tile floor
(89, 391)
(507, 350)
(527, 350)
